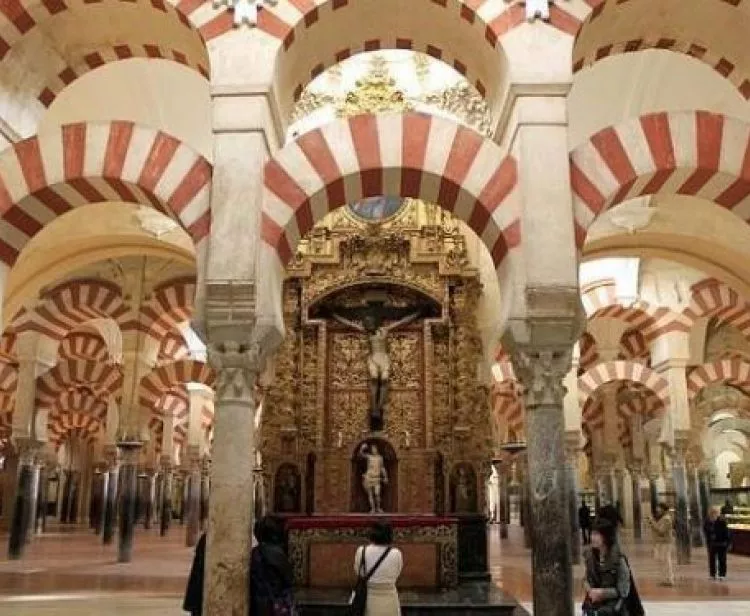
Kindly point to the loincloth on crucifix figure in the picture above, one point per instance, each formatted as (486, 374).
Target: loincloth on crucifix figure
(378, 359)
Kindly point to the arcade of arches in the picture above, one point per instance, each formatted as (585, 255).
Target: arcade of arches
(209, 211)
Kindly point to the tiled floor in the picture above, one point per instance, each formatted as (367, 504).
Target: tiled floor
(72, 573)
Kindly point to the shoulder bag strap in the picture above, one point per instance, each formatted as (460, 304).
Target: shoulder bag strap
(377, 564)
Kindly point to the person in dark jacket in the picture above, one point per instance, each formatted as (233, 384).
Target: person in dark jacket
(607, 581)
(584, 522)
(717, 541)
(193, 602)
(271, 575)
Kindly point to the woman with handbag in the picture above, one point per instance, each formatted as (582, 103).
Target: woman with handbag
(271, 575)
(607, 580)
(378, 566)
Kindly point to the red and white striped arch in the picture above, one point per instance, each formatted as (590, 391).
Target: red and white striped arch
(101, 378)
(408, 155)
(599, 295)
(633, 345)
(687, 153)
(83, 346)
(733, 371)
(616, 27)
(651, 321)
(163, 379)
(61, 426)
(608, 372)
(79, 401)
(45, 176)
(172, 347)
(8, 377)
(712, 298)
(173, 403)
(71, 304)
(588, 353)
(171, 304)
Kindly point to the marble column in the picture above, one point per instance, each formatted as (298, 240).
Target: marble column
(696, 519)
(111, 500)
(205, 492)
(682, 520)
(503, 504)
(128, 484)
(101, 495)
(41, 500)
(30, 522)
(572, 449)
(22, 506)
(524, 496)
(193, 500)
(653, 492)
(705, 492)
(542, 370)
(619, 497)
(65, 499)
(150, 496)
(231, 505)
(166, 498)
(605, 480)
(635, 477)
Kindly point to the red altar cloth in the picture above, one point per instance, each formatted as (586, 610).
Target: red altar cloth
(356, 520)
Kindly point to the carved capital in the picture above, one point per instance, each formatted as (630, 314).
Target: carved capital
(130, 451)
(541, 371)
(28, 450)
(238, 367)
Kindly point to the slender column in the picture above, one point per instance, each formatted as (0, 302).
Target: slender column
(680, 478)
(110, 503)
(72, 516)
(22, 507)
(635, 476)
(30, 521)
(148, 516)
(502, 498)
(572, 448)
(653, 491)
(128, 483)
(619, 481)
(524, 505)
(193, 500)
(102, 491)
(605, 479)
(542, 371)
(166, 495)
(705, 492)
(231, 504)
(205, 491)
(696, 519)
(40, 524)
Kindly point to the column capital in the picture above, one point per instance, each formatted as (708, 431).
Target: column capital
(130, 451)
(238, 366)
(541, 370)
(28, 450)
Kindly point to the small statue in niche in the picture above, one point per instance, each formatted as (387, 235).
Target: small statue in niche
(375, 476)
(378, 361)
(464, 496)
(287, 490)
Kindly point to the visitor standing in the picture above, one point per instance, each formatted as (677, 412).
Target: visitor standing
(271, 575)
(717, 541)
(380, 564)
(584, 522)
(662, 530)
(193, 602)
(607, 582)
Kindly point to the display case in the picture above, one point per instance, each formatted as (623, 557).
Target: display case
(735, 505)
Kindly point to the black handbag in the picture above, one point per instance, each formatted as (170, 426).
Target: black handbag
(358, 600)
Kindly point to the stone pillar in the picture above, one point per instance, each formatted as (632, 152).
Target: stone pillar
(231, 505)
(705, 492)
(619, 481)
(653, 491)
(25, 497)
(503, 504)
(635, 477)
(128, 484)
(605, 480)
(572, 449)
(101, 495)
(542, 370)
(193, 500)
(524, 508)
(205, 492)
(41, 500)
(111, 500)
(682, 521)
(166, 495)
(696, 518)
(30, 522)
(148, 516)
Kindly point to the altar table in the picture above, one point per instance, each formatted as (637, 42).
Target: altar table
(322, 548)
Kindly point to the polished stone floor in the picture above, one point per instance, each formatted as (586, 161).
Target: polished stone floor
(68, 572)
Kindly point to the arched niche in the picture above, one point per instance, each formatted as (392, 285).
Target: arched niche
(389, 494)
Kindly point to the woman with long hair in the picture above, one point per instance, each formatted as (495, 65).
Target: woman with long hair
(271, 575)
(607, 581)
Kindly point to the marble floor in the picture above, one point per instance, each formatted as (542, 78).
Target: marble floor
(68, 571)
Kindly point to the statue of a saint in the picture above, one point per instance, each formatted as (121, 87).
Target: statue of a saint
(374, 477)
(378, 362)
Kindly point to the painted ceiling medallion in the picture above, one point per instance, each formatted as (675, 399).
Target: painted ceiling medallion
(245, 11)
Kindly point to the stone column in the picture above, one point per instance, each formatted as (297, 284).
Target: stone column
(572, 449)
(653, 491)
(41, 500)
(696, 518)
(502, 498)
(619, 481)
(542, 370)
(205, 492)
(111, 499)
(704, 482)
(150, 496)
(231, 504)
(102, 497)
(23, 506)
(193, 500)
(605, 479)
(524, 505)
(30, 522)
(635, 477)
(128, 484)
(166, 495)
(680, 478)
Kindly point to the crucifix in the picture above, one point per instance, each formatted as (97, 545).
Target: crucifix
(378, 362)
